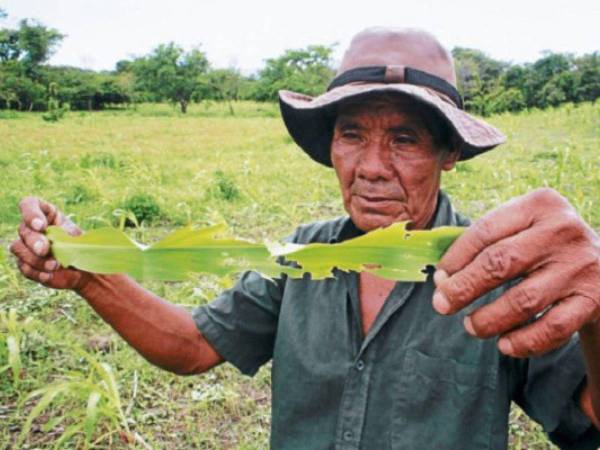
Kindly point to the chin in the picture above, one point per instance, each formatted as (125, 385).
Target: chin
(369, 222)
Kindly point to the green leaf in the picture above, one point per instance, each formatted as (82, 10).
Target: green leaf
(14, 358)
(52, 423)
(48, 396)
(91, 416)
(391, 252)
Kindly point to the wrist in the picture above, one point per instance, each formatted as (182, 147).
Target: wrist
(84, 283)
(90, 282)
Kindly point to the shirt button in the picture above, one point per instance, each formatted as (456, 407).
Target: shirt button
(348, 435)
(360, 365)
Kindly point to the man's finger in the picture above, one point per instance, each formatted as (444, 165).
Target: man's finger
(514, 216)
(37, 213)
(496, 264)
(36, 242)
(519, 304)
(498, 224)
(553, 329)
(71, 228)
(23, 253)
(34, 275)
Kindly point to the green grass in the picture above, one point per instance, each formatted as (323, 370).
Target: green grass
(206, 167)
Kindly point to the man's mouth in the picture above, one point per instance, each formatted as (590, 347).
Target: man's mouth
(377, 198)
(371, 201)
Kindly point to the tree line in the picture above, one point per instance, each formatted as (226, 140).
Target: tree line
(169, 73)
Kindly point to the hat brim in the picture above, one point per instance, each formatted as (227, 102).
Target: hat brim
(309, 120)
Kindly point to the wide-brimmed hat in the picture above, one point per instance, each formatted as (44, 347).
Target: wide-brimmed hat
(380, 60)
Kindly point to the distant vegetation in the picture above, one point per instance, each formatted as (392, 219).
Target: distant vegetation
(169, 73)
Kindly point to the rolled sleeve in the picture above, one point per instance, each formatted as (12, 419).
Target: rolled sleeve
(551, 397)
(241, 323)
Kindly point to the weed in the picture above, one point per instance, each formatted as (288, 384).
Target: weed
(144, 208)
(224, 187)
(13, 332)
(92, 399)
(79, 193)
(100, 159)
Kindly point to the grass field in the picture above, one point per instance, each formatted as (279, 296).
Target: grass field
(207, 167)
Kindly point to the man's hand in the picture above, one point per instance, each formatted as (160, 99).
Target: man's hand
(32, 249)
(540, 237)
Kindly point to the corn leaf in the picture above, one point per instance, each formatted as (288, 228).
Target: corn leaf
(393, 253)
(183, 252)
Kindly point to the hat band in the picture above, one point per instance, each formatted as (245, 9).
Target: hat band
(398, 74)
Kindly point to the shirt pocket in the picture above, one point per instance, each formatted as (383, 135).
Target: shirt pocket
(440, 403)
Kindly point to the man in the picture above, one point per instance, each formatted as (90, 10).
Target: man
(362, 362)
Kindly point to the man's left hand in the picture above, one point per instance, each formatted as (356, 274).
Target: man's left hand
(539, 237)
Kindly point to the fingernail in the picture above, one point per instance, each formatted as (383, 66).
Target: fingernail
(469, 326)
(505, 346)
(51, 265)
(441, 303)
(45, 276)
(37, 224)
(38, 248)
(439, 276)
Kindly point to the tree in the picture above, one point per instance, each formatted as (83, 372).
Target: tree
(539, 89)
(504, 99)
(172, 74)
(18, 90)
(477, 76)
(305, 70)
(225, 85)
(588, 75)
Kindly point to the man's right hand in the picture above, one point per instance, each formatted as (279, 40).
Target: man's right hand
(32, 248)
(164, 334)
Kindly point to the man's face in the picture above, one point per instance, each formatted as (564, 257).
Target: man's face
(387, 163)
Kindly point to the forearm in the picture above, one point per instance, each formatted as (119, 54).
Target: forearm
(164, 334)
(590, 343)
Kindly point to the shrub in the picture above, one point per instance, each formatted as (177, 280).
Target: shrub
(224, 187)
(144, 207)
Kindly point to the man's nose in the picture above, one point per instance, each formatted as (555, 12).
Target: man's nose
(374, 163)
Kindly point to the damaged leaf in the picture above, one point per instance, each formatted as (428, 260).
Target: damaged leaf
(393, 253)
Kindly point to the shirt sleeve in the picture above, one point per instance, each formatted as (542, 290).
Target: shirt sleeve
(550, 393)
(241, 323)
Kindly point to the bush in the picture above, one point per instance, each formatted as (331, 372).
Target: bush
(224, 187)
(144, 207)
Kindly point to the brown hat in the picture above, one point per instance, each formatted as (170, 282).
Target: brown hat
(406, 61)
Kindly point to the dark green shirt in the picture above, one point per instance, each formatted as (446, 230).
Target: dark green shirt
(416, 381)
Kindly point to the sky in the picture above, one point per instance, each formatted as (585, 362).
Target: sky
(243, 34)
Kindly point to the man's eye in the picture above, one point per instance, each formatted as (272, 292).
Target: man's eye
(349, 136)
(400, 140)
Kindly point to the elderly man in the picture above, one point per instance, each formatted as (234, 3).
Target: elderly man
(362, 362)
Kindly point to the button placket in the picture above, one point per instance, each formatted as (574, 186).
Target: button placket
(353, 406)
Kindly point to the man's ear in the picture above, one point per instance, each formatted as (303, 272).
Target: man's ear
(452, 155)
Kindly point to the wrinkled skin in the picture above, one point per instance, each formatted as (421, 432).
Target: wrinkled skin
(387, 164)
(32, 248)
(540, 237)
